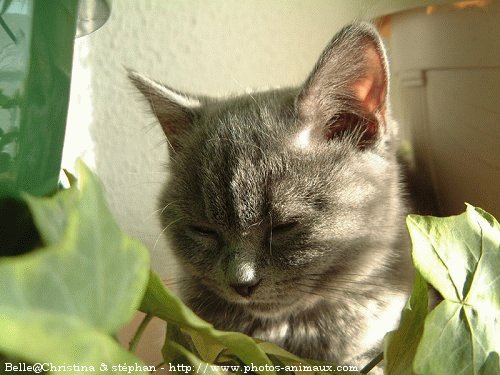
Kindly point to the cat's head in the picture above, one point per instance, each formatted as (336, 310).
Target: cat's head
(274, 194)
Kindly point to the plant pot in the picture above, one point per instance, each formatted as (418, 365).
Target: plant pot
(36, 42)
(446, 85)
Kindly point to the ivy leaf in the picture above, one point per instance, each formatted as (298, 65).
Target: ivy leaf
(400, 345)
(161, 303)
(61, 303)
(207, 347)
(196, 366)
(46, 337)
(460, 257)
(51, 215)
(214, 346)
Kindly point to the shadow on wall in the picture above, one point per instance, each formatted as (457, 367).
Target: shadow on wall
(446, 77)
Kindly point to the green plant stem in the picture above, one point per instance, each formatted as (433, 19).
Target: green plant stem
(374, 362)
(140, 330)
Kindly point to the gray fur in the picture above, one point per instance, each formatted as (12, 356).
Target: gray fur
(336, 269)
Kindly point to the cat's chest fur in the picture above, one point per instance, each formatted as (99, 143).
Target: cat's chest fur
(285, 208)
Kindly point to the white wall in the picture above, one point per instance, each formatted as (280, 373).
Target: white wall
(214, 47)
(211, 47)
(207, 47)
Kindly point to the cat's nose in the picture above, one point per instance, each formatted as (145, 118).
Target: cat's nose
(246, 289)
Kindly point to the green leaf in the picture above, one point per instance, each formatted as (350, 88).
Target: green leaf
(40, 336)
(5, 6)
(401, 345)
(207, 347)
(196, 366)
(174, 334)
(491, 365)
(85, 284)
(163, 304)
(51, 215)
(460, 257)
(158, 301)
(213, 346)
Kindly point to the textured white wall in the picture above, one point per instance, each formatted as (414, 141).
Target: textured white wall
(208, 47)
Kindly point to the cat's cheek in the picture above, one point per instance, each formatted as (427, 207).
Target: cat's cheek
(195, 251)
(205, 244)
(297, 253)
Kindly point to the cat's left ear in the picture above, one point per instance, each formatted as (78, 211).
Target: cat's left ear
(347, 91)
(174, 110)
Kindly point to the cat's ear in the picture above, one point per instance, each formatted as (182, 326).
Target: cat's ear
(175, 111)
(348, 88)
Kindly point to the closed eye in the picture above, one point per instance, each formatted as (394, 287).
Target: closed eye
(203, 231)
(284, 227)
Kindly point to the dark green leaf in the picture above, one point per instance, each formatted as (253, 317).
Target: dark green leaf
(163, 304)
(401, 345)
(196, 366)
(460, 257)
(212, 345)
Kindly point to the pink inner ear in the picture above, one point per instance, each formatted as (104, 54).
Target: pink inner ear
(371, 89)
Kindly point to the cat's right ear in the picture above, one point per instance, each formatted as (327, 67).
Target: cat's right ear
(175, 111)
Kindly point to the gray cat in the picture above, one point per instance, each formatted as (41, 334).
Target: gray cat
(285, 207)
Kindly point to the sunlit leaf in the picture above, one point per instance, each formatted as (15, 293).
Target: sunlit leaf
(460, 257)
(196, 366)
(211, 343)
(401, 344)
(85, 284)
(163, 304)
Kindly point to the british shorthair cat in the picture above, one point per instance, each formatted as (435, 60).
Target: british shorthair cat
(285, 208)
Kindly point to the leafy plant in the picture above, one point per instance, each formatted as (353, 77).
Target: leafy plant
(10, 137)
(460, 257)
(193, 341)
(3, 8)
(8, 102)
(64, 302)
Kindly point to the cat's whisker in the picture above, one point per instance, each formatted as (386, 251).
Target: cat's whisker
(142, 173)
(271, 234)
(161, 210)
(344, 274)
(161, 143)
(163, 231)
(150, 126)
(319, 276)
(360, 282)
(254, 225)
(368, 294)
(136, 185)
(348, 302)
(174, 280)
(339, 297)
(370, 290)
(347, 276)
